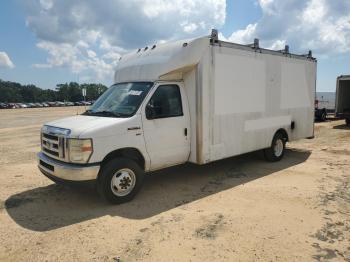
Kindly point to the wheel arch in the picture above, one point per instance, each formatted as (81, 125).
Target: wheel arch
(127, 152)
(283, 132)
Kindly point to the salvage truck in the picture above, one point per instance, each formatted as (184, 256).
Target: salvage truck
(198, 101)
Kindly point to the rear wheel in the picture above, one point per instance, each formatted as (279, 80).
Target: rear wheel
(276, 151)
(324, 116)
(119, 181)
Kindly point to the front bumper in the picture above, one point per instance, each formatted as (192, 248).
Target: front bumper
(66, 171)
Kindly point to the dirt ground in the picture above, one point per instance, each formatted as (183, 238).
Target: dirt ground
(238, 209)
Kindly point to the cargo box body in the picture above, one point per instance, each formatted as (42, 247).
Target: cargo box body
(342, 97)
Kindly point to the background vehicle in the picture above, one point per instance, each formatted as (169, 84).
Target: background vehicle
(3, 106)
(198, 101)
(69, 103)
(342, 104)
(320, 112)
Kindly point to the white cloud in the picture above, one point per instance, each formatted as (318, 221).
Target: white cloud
(91, 54)
(78, 58)
(91, 35)
(42, 66)
(244, 36)
(278, 45)
(5, 61)
(189, 27)
(46, 4)
(320, 25)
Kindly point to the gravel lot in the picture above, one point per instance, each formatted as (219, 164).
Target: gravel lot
(239, 209)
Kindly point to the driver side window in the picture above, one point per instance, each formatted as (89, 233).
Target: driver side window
(166, 102)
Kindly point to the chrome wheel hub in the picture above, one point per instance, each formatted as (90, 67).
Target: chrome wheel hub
(278, 148)
(123, 182)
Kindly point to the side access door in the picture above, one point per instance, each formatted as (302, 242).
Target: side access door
(166, 123)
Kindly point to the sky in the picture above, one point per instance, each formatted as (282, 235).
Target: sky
(46, 42)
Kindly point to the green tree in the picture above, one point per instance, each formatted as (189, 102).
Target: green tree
(11, 92)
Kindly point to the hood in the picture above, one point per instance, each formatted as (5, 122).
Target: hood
(80, 123)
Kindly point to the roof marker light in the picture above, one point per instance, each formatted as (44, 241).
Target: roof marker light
(145, 48)
(154, 46)
(185, 44)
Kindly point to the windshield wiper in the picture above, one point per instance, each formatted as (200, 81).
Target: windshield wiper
(104, 113)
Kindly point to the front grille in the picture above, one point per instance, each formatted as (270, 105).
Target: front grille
(52, 137)
(53, 145)
(51, 152)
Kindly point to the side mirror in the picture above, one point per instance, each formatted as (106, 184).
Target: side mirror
(150, 112)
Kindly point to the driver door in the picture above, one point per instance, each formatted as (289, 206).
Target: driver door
(166, 131)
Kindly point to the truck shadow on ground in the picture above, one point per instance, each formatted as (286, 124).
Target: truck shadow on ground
(344, 127)
(51, 207)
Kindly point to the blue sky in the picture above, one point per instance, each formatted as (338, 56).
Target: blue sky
(46, 42)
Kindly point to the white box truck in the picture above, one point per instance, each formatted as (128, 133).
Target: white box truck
(342, 98)
(197, 101)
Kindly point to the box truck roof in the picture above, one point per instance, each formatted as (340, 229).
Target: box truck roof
(169, 61)
(150, 64)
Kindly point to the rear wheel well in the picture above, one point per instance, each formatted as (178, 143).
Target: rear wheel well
(284, 134)
(130, 153)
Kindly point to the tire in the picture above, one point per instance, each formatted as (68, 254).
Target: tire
(119, 180)
(276, 151)
(323, 116)
(347, 121)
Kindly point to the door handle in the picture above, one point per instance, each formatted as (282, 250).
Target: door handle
(134, 128)
(185, 131)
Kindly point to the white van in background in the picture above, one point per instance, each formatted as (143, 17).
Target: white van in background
(197, 101)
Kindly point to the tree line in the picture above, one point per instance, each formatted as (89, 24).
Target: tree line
(12, 92)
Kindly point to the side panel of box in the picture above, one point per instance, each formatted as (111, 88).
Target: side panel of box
(251, 96)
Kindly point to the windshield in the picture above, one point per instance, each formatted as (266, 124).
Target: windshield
(120, 100)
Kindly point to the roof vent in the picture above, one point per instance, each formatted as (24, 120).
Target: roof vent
(184, 44)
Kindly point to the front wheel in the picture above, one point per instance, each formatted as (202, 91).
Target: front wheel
(119, 181)
(276, 151)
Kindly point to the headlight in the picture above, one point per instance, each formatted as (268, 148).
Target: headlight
(79, 150)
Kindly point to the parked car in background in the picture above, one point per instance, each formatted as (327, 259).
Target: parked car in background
(3, 106)
(21, 105)
(59, 103)
(12, 105)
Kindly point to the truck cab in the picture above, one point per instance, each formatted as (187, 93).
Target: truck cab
(143, 124)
